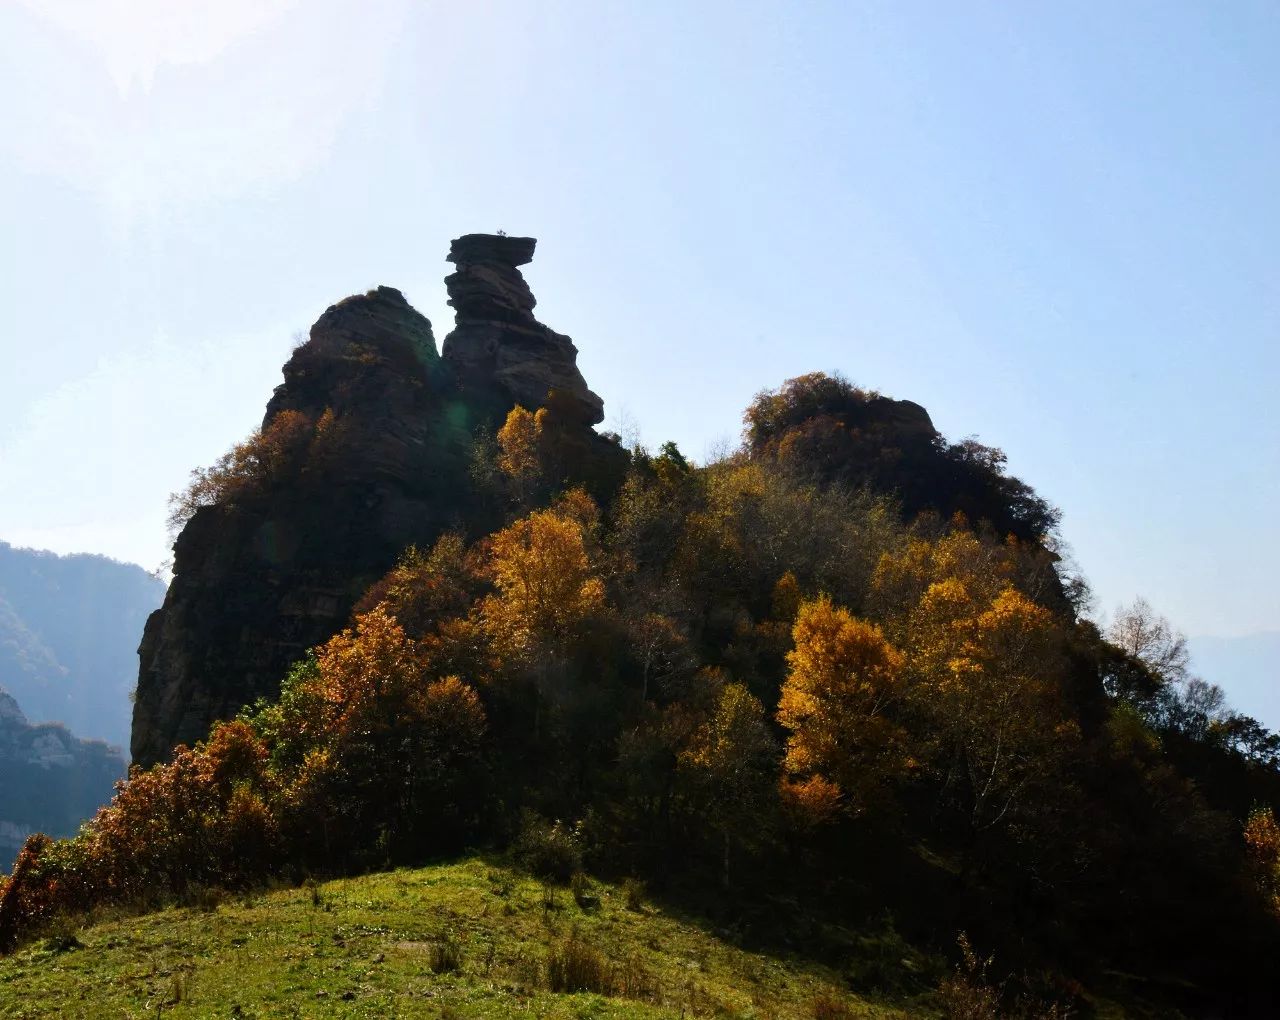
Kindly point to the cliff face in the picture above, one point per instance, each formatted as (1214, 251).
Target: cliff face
(261, 578)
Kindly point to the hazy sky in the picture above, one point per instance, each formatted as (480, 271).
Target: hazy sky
(1054, 225)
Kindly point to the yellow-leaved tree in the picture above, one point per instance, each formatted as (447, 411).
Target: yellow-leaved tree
(546, 583)
(520, 455)
(842, 675)
(984, 665)
(727, 770)
(1262, 845)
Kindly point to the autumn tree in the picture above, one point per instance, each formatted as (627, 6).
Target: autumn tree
(842, 677)
(659, 646)
(1262, 844)
(988, 679)
(984, 666)
(520, 456)
(756, 523)
(546, 584)
(266, 457)
(425, 588)
(728, 771)
(376, 744)
(648, 515)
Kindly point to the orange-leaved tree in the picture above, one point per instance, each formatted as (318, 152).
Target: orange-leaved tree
(373, 744)
(267, 456)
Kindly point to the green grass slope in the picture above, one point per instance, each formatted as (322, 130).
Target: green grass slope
(469, 939)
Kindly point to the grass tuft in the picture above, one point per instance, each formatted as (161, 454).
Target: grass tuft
(574, 966)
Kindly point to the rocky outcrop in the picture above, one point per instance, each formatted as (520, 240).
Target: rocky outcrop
(497, 343)
(262, 577)
(836, 433)
(10, 713)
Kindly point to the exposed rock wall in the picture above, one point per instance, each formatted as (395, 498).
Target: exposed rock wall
(260, 579)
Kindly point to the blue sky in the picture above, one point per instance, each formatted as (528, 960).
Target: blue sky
(1053, 225)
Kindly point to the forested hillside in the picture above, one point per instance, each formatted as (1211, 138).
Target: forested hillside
(838, 680)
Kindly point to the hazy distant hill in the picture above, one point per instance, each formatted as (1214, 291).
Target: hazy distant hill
(50, 781)
(69, 632)
(1247, 668)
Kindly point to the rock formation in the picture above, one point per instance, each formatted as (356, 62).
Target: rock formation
(10, 712)
(498, 343)
(261, 578)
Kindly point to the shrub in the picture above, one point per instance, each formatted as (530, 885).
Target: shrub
(204, 898)
(967, 994)
(550, 851)
(62, 935)
(633, 980)
(633, 894)
(583, 895)
(826, 1006)
(886, 963)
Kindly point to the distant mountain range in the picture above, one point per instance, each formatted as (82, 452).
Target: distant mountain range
(1247, 668)
(69, 633)
(50, 781)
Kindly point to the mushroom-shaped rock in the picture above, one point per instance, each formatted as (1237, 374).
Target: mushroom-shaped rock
(496, 341)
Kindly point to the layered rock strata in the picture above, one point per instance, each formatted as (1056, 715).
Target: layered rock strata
(497, 343)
